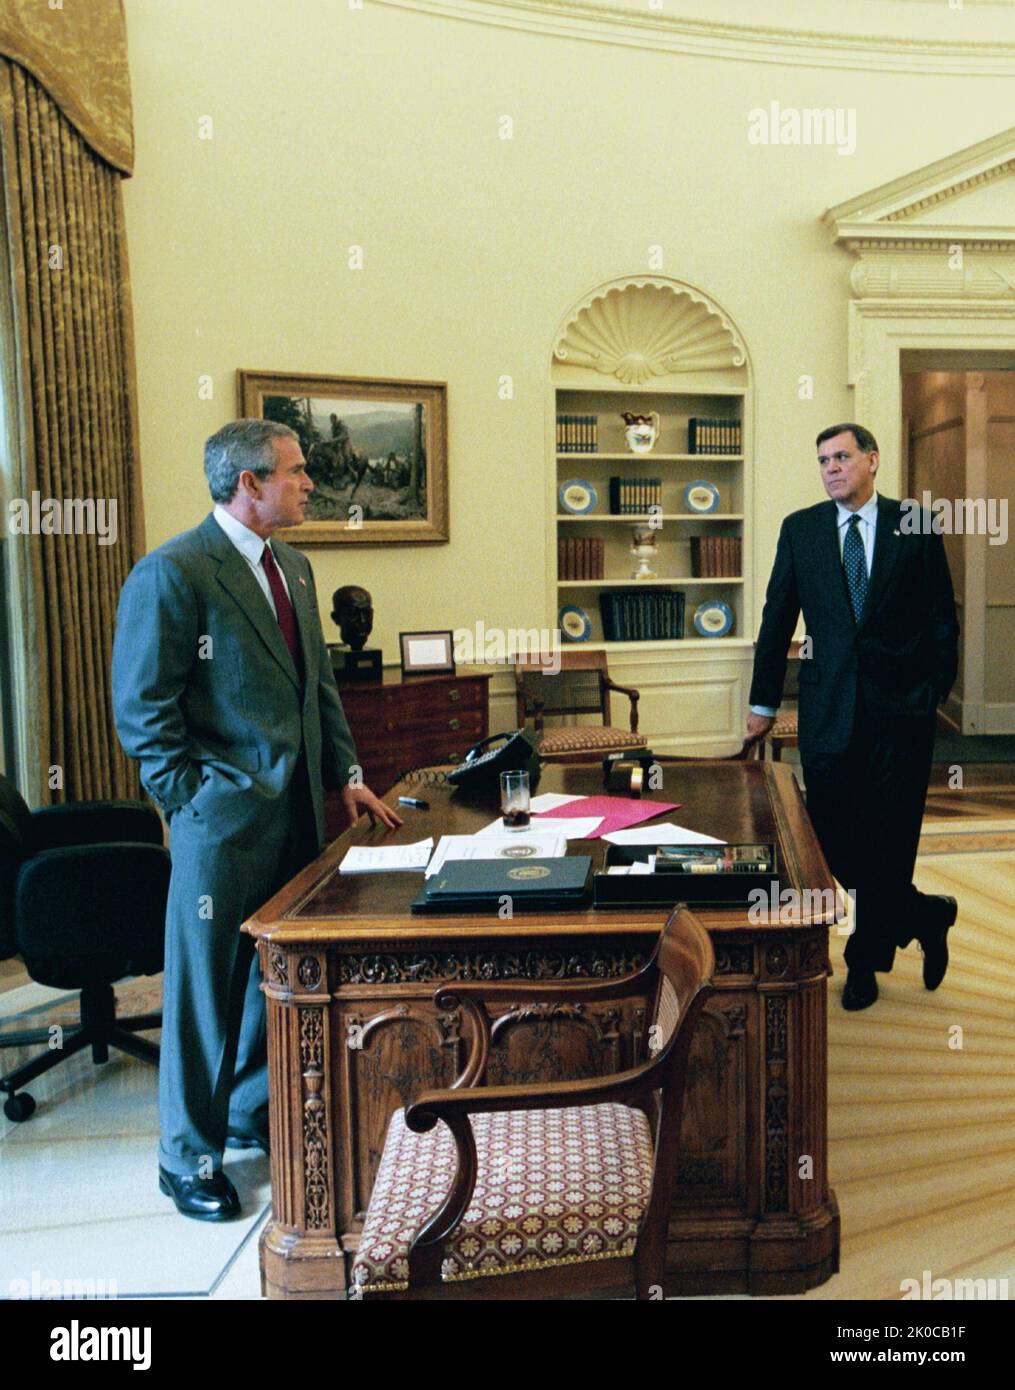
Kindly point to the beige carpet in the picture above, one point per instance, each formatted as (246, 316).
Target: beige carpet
(921, 1132)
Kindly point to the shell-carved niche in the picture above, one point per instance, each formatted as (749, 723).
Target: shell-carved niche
(642, 328)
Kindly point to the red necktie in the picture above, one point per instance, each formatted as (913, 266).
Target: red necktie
(283, 608)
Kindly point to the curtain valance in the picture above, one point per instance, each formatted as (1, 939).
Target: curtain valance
(77, 50)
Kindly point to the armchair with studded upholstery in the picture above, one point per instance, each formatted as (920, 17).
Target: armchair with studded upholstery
(548, 1189)
(582, 686)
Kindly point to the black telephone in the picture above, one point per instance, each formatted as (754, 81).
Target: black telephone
(510, 752)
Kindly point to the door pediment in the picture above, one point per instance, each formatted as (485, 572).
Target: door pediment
(944, 232)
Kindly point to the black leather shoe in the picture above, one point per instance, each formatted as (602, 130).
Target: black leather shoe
(239, 1139)
(860, 990)
(934, 942)
(206, 1199)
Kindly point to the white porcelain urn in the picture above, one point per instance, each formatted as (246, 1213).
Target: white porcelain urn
(640, 431)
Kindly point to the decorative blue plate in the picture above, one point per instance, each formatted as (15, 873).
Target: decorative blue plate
(713, 619)
(575, 623)
(701, 496)
(577, 496)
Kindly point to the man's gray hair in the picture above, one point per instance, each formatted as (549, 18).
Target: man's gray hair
(241, 444)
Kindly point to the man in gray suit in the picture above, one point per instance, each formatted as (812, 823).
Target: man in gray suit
(223, 691)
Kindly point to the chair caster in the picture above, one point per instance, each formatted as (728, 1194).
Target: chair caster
(19, 1107)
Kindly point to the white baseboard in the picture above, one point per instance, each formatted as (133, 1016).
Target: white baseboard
(983, 717)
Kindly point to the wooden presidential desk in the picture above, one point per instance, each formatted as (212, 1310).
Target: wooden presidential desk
(353, 1034)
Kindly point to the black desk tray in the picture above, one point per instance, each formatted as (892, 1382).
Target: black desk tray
(730, 889)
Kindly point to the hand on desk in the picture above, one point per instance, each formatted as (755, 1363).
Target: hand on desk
(356, 800)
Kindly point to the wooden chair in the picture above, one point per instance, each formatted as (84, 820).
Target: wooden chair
(582, 686)
(783, 734)
(547, 1189)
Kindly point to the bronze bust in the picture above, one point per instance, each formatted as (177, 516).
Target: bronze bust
(353, 611)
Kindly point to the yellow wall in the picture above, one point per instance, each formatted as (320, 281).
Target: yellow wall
(380, 127)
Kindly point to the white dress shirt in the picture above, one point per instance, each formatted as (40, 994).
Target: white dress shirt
(251, 547)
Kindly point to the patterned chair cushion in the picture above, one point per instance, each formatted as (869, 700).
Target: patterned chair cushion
(785, 726)
(577, 738)
(554, 1187)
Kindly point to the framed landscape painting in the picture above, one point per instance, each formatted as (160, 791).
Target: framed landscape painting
(376, 452)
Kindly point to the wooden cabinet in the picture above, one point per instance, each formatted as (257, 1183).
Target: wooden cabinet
(403, 722)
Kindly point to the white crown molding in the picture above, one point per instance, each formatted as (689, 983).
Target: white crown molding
(884, 218)
(857, 235)
(661, 32)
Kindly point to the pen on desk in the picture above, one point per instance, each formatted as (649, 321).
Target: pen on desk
(414, 801)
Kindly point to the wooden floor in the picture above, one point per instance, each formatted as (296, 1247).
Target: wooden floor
(986, 792)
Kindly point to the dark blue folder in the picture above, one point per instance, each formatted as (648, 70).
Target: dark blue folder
(530, 883)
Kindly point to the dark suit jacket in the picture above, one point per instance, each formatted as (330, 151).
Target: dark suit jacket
(902, 655)
(205, 692)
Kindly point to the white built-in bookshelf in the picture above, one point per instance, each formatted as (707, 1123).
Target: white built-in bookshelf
(642, 347)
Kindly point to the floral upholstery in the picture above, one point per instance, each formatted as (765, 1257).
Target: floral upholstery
(577, 738)
(554, 1187)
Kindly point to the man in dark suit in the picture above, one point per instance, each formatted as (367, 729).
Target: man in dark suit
(223, 691)
(877, 600)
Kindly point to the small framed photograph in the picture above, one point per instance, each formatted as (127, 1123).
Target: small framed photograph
(427, 653)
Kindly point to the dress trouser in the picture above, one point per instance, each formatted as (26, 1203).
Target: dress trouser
(213, 1072)
(866, 805)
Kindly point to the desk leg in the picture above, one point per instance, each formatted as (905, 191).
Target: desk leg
(753, 1212)
(300, 1255)
(795, 1245)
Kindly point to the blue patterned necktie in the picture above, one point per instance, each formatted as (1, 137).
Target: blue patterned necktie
(854, 562)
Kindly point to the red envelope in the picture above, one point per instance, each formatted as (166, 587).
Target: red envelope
(618, 812)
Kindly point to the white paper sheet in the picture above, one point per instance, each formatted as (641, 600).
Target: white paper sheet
(507, 845)
(640, 866)
(380, 859)
(549, 801)
(572, 828)
(666, 834)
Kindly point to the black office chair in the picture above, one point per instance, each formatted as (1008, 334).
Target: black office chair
(83, 901)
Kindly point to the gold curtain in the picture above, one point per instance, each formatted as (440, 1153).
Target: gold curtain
(77, 51)
(77, 426)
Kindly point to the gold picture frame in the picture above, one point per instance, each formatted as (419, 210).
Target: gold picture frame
(376, 450)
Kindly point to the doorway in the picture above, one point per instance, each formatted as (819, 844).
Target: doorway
(958, 432)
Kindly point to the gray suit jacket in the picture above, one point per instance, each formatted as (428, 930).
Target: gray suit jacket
(205, 693)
